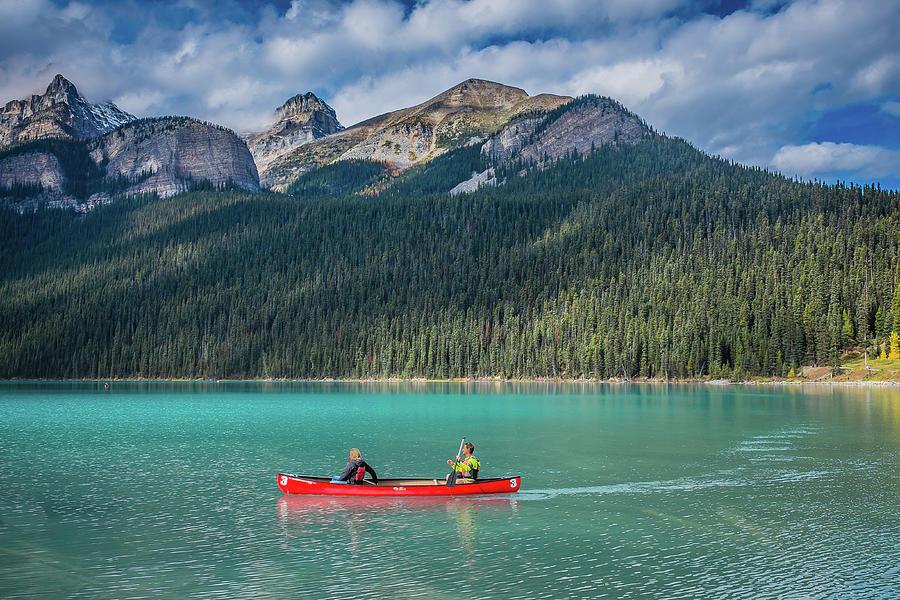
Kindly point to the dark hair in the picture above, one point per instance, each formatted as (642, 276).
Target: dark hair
(469, 446)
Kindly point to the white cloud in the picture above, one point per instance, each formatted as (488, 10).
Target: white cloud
(632, 83)
(891, 107)
(294, 11)
(141, 101)
(880, 76)
(828, 158)
(75, 11)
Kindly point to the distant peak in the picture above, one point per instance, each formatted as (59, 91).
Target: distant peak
(481, 92)
(303, 104)
(301, 98)
(475, 83)
(61, 84)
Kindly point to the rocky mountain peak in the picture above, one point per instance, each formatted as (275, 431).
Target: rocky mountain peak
(304, 105)
(483, 93)
(61, 112)
(61, 88)
(300, 120)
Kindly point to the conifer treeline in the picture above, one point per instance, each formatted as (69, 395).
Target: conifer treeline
(652, 260)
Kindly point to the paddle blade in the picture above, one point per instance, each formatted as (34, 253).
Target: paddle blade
(451, 480)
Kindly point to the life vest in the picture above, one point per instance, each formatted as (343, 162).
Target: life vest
(471, 466)
(360, 474)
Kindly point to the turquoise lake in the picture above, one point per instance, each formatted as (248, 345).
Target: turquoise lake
(155, 490)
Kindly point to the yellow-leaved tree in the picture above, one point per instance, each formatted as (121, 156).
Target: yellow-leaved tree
(895, 346)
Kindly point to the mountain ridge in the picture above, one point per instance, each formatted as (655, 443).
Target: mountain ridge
(306, 133)
(468, 112)
(538, 138)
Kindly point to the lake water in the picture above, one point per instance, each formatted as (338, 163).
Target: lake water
(637, 491)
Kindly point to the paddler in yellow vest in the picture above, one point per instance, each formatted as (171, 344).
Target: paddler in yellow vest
(466, 466)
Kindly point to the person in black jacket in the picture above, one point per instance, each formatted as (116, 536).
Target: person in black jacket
(356, 470)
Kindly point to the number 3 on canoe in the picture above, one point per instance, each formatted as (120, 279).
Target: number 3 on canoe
(513, 482)
(284, 480)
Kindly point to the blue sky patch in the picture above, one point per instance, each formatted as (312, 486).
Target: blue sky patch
(865, 124)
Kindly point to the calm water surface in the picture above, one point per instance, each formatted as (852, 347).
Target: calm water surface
(168, 491)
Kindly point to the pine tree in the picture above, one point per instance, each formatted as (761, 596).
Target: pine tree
(846, 329)
(895, 308)
(879, 322)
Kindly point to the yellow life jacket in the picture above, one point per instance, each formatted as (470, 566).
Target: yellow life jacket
(468, 468)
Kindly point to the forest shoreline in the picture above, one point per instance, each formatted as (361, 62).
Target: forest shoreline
(547, 380)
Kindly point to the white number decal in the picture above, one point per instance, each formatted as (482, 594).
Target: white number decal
(284, 480)
(513, 483)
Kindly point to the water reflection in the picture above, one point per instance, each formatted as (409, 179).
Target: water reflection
(301, 516)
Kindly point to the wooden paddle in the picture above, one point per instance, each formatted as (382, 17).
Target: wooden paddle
(451, 479)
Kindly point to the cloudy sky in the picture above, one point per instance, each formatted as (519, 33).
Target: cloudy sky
(809, 88)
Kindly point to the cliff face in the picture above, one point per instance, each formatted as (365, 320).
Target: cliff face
(585, 123)
(465, 114)
(33, 168)
(509, 141)
(165, 155)
(402, 144)
(61, 112)
(590, 121)
(162, 156)
(300, 120)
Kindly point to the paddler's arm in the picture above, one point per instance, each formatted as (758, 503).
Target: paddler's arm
(459, 466)
(371, 472)
(345, 476)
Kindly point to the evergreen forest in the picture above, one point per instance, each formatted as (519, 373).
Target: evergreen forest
(652, 260)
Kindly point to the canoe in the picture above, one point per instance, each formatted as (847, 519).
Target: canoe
(401, 486)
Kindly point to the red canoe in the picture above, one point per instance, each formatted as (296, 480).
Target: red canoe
(404, 486)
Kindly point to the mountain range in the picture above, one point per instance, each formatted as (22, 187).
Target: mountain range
(467, 113)
(167, 155)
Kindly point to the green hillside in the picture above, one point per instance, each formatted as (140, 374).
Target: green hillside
(651, 260)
